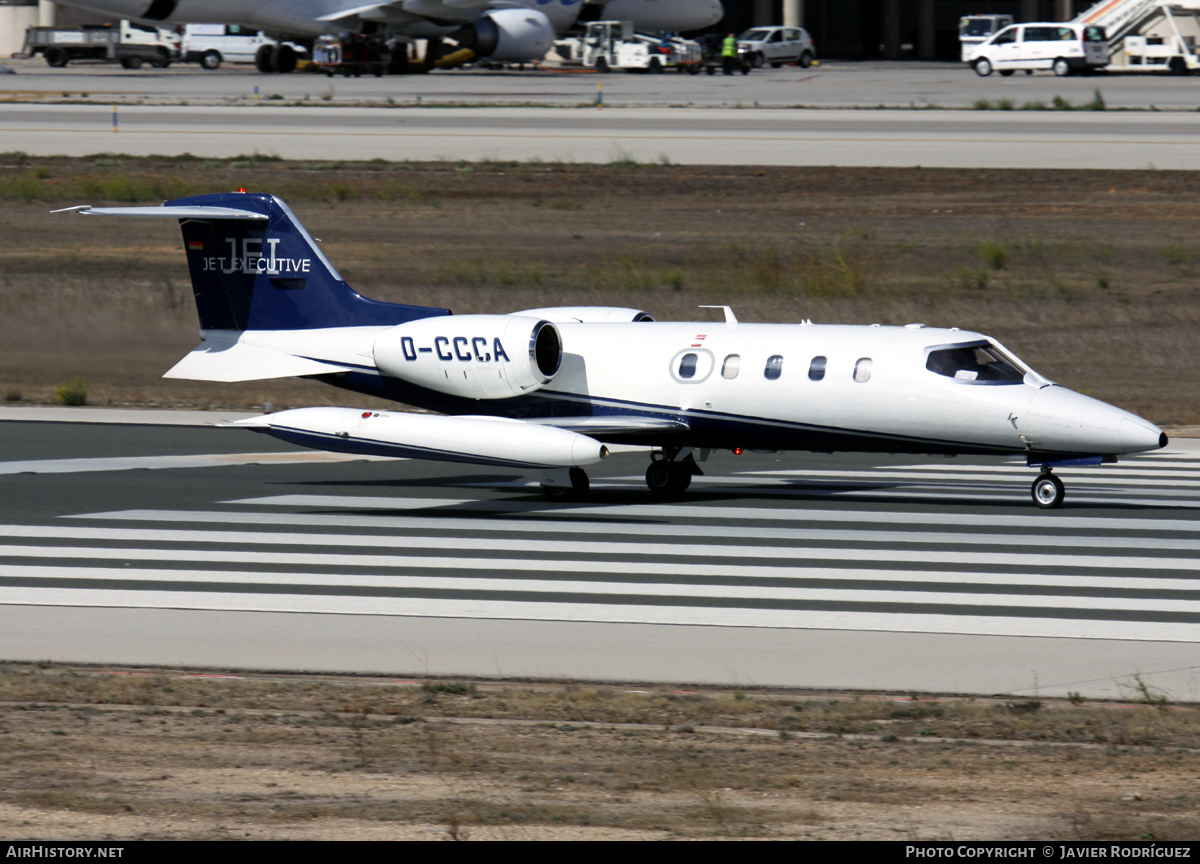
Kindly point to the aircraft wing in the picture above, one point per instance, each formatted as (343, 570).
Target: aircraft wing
(629, 424)
(429, 9)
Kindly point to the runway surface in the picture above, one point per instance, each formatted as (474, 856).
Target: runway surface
(869, 572)
(999, 139)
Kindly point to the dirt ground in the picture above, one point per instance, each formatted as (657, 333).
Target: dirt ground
(121, 754)
(1092, 277)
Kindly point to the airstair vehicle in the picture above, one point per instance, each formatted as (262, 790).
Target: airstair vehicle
(1148, 35)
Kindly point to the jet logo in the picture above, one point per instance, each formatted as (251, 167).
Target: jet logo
(473, 350)
(252, 260)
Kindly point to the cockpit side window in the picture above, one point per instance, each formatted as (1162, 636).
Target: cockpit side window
(976, 362)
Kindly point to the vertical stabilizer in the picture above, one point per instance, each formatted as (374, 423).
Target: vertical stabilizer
(254, 267)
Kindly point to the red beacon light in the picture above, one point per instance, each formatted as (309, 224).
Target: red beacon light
(241, 189)
(737, 451)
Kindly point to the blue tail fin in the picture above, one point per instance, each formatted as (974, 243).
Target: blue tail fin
(254, 267)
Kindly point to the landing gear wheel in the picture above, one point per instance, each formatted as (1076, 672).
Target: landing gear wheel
(577, 491)
(262, 59)
(1048, 492)
(668, 479)
(283, 58)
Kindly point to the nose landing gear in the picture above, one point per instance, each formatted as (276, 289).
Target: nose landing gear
(1048, 491)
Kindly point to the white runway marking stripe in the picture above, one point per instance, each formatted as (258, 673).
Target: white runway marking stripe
(728, 595)
(924, 556)
(542, 526)
(1043, 521)
(571, 569)
(1077, 628)
(894, 474)
(131, 463)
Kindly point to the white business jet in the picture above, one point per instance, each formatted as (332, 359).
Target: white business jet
(501, 30)
(547, 389)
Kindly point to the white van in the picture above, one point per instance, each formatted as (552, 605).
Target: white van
(1059, 47)
(211, 44)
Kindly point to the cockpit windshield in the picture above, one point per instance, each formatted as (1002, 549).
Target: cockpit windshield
(978, 362)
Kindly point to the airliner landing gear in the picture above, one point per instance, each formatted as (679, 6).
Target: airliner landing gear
(570, 485)
(670, 474)
(1048, 491)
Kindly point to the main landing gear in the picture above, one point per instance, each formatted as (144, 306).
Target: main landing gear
(669, 475)
(1048, 491)
(670, 472)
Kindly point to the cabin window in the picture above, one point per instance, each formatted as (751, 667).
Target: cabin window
(862, 370)
(774, 367)
(978, 362)
(687, 366)
(816, 369)
(729, 369)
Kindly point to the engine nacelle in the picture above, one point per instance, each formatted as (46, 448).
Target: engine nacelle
(588, 314)
(475, 356)
(509, 34)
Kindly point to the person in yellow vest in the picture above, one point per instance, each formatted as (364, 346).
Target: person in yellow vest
(728, 53)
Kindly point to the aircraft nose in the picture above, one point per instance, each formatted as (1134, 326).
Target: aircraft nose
(1061, 419)
(1138, 435)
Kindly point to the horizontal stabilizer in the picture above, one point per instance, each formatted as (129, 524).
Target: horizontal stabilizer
(204, 212)
(236, 361)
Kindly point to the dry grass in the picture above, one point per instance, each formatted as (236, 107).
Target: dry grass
(164, 754)
(1097, 286)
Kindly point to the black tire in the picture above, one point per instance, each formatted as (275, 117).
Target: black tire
(1048, 492)
(656, 66)
(57, 57)
(602, 66)
(162, 61)
(1006, 73)
(757, 60)
(983, 67)
(806, 60)
(283, 58)
(711, 70)
(668, 479)
(210, 60)
(263, 61)
(577, 491)
(1178, 66)
(131, 62)
(1061, 68)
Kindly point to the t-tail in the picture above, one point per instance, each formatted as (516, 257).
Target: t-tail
(271, 305)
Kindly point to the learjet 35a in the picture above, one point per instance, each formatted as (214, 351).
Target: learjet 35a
(547, 389)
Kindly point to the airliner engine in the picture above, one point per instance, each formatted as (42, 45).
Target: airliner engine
(477, 440)
(476, 356)
(508, 35)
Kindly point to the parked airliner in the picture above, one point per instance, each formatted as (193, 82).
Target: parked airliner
(504, 30)
(547, 389)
